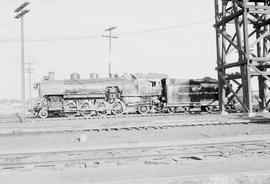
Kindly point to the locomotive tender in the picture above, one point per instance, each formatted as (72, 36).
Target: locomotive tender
(140, 93)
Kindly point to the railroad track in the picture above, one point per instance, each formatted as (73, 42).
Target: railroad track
(130, 155)
(54, 119)
(118, 126)
(132, 122)
(132, 115)
(110, 117)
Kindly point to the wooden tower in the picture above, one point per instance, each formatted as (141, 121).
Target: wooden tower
(242, 42)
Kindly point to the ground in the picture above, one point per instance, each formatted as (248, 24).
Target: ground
(223, 168)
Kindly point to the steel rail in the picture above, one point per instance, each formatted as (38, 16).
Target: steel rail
(143, 154)
(119, 127)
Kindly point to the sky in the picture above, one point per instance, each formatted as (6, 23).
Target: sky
(64, 36)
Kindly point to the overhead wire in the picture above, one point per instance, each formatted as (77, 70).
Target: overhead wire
(53, 39)
(88, 37)
(164, 28)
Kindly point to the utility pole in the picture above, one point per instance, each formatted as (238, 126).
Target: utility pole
(110, 46)
(29, 70)
(20, 13)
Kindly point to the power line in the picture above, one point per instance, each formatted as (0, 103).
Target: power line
(53, 39)
(164, 28)
(88, 37)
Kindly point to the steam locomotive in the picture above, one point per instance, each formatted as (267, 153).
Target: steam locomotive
(140, 93)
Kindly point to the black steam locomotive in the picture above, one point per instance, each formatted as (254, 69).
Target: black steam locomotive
(141, 93)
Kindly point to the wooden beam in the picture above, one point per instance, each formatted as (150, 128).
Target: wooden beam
(231, 89)
(230, 65)
(229, 40)
(228, 18)
(231, 97)
(266, 59)
(259, 71)
(259, 39)
(261, 24)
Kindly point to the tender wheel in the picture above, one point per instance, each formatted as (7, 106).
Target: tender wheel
(43, 113)
(143, 109)
(101, 109)
(209, 109)
(117, 108)
(172, 109)
(215, 108)
(185, 110)
(85, 110)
